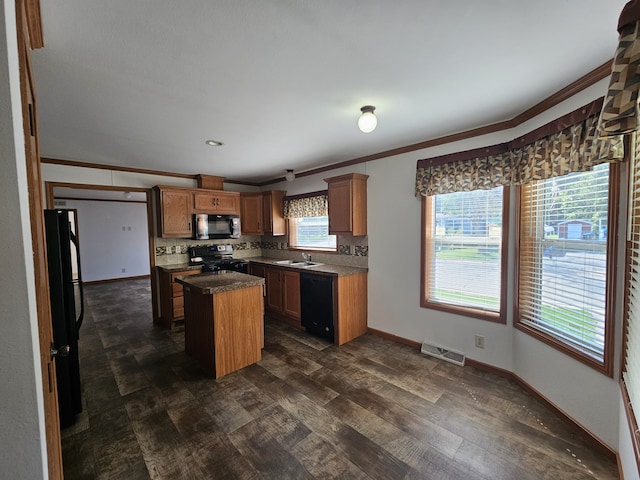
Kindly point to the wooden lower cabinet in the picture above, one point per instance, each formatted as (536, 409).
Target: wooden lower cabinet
(291, 294)
(171, 296)
(351, 308)
(224, 331)
(282, 299)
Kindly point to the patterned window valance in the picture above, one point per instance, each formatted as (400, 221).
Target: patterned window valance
(313, 205)
(566, 145)
(620, 113)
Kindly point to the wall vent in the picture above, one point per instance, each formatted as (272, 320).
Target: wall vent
(443, 353)
(60, 203)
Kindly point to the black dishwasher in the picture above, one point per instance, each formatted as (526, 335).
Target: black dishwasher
(316, 299)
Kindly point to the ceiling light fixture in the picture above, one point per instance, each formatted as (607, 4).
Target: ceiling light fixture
(367, 121)
(213, 143)
(290, 176)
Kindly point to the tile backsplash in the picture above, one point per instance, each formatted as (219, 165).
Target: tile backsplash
(352, 251)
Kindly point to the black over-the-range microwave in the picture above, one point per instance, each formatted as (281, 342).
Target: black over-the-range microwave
(209, 226)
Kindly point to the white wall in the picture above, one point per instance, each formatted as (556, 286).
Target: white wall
(22, 431)
(625, 447)
(113, 236)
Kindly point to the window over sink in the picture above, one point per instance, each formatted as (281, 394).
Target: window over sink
(311, 233)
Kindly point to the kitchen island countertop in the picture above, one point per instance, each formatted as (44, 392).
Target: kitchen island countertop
(176, 267)
(210, 283)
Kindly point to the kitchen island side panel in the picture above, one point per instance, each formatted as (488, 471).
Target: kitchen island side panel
(238, 329)
(198, 328)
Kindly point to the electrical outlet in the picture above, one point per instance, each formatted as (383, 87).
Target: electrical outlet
(479, 341)
(124, 270)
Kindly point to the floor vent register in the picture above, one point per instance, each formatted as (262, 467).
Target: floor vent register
(443, 353)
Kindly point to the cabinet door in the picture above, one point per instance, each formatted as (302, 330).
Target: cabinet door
(221, 203)
(340, 214)
(291, 293)
(267, 213)
(273, 212)
(176, 214)
(257, 270)
(274, 289)
(251, 214)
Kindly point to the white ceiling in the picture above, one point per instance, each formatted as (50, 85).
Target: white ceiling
(143, 83)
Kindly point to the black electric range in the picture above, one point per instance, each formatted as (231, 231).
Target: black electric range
(215, 258)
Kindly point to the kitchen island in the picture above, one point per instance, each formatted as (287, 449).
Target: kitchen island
(223, 320)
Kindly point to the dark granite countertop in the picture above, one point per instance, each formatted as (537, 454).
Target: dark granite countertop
(176, 267)
(324, 268)
(210, 283)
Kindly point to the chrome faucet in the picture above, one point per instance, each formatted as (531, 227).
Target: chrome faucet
(306, 257)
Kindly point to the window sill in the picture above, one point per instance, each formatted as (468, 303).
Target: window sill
(307, 249)
(495, 317)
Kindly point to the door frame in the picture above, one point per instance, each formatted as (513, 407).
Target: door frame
(29, 36)
(50, 196)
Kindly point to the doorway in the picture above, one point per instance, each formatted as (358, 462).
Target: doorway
(103, 235)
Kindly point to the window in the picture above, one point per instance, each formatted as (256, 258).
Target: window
(311, 233)
(564, 275)
(462, 266)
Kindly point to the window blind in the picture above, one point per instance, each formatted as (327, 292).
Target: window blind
(563, 259)
(464, 240)
(631, 368)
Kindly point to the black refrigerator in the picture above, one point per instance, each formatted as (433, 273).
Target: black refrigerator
(67, 307)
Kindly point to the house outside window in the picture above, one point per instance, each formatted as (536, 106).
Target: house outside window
(462, 242)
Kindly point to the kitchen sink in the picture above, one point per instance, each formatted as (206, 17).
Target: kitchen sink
(297, 263)
(309, 264)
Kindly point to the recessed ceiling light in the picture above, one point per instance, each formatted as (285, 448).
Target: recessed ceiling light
(214, 143)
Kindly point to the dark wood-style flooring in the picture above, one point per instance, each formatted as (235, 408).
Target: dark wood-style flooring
(371, 409)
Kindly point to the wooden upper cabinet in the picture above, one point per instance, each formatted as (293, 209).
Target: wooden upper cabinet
(174, 213)
(348, 204)
(273, 212)
(217, 202)
(251, 220)
(175, 207)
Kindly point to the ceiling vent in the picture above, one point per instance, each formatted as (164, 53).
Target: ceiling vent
(60, 203)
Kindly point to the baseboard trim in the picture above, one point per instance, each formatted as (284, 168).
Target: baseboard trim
(112, 280)
(394, 338)
(573, 424)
